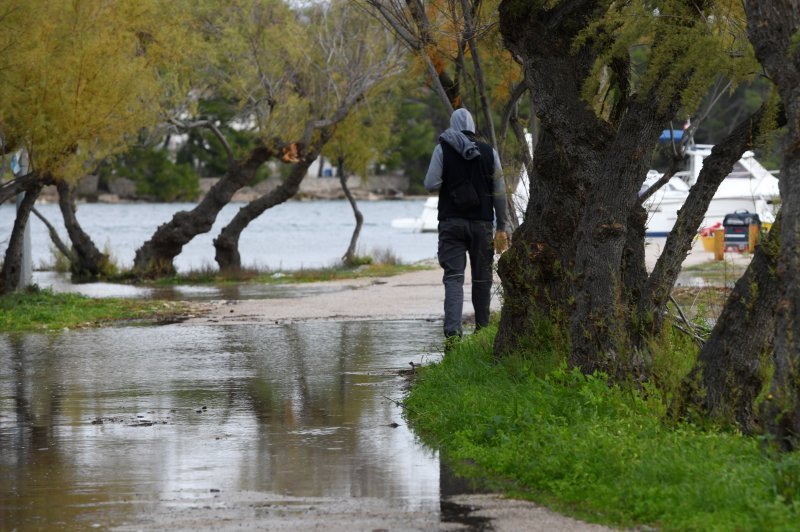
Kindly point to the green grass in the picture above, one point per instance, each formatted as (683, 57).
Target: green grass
(304, 275)
(37, 310)
(604, 454)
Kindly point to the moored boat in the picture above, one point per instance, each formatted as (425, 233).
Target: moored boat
(749, 187)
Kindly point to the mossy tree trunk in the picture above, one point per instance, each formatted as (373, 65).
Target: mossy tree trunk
(86, 262)
(732, 367)
(155, 257)
(11, 273)
(566, 261)
(536, 270)
(773, 28)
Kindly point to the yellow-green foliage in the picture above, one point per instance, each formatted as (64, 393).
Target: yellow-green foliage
(679, 47)
(364, 135)
(285, 65)
(81, 77)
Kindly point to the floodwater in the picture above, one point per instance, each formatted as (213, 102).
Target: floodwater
(99, 427)
(60, 282)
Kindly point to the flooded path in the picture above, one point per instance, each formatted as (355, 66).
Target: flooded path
(271, 410)
(102, 427)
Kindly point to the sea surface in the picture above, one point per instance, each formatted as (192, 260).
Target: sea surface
(290, 236)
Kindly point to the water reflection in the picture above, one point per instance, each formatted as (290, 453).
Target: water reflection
(96, 425)
(60, 282)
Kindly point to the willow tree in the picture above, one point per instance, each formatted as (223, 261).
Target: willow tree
(80, 79)
(291, 78)
(577, 261)
(344, 74)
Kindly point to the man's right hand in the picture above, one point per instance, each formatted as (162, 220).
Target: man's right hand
(500, 242)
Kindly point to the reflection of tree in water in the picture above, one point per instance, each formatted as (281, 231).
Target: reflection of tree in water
(305, 392)
(294, 409)
(40, 481)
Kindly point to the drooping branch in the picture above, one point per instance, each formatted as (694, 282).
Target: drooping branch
(57, 242)
(19, 184)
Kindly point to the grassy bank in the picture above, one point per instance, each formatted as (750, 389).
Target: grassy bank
(37, 310)
(303, 275)
(604, 454)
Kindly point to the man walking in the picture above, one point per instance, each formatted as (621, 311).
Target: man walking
(468, 176)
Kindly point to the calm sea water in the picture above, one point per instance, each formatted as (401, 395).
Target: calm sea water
(293, 235)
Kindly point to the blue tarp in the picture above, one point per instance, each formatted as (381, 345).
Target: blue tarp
(677, 134)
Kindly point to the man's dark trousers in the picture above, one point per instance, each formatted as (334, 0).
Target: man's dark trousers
(459, 237)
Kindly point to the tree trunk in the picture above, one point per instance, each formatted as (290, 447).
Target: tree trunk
(653, 303)
(772, 28)
(732, 367)
(600, 324)
(12, 263)
(156, 256)
(349, 256)
(535, 269)
(89, 262)
(227, 243)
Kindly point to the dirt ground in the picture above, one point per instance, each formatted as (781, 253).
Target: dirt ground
(414, 295)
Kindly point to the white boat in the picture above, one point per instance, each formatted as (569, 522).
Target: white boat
(426, 222)
(749, 187)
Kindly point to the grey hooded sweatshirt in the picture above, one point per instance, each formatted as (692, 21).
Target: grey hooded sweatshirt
(461, 125)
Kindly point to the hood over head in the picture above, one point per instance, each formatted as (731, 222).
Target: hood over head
(460, 121)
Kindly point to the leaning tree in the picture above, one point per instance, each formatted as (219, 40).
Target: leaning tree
(773, 29)
(292, 75)
(353, 73)
(82, 79)
(577, 261)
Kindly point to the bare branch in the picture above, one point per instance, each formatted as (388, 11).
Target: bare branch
(208, 125)
(394, 18)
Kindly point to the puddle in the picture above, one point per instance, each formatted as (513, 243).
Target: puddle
(102, 426)
(59, 282)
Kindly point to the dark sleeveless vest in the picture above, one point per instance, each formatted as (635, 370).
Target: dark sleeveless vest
(480, 172)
